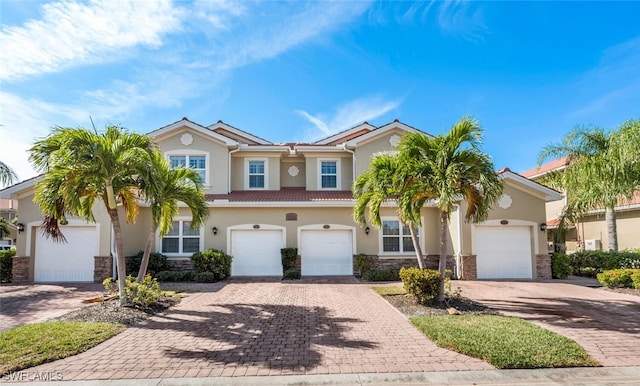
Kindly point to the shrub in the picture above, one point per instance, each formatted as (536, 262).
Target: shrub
(157, 262)
(390, 274)
(635, 279)
(214, 261)
(5, 265)
(289, 257)
(422, 284)
(560, 266)
(175, 276)
(206, 277)
(291, 274)
(141, 294)
(617, 278)
(600, 261)
(364, 263)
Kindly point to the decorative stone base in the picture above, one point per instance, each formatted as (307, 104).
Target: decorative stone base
(543, 267)
(469, 268)
(180, 264)
(102, 268)
(20, 269)
(431, 262)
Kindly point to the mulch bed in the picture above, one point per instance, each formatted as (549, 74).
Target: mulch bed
(407, 305)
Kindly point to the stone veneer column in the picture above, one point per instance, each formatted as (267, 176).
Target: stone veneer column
(543, 267)
(102, 268)
(20, 269)
(469, 268)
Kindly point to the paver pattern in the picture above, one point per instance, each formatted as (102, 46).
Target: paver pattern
(267, 328)
(606, 324)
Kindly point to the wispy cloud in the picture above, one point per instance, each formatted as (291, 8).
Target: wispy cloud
(72, 34)
(463, 19)
(348, 115)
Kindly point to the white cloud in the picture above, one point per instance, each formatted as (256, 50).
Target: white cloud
(456, 18)
(349, 115)
(71, 34)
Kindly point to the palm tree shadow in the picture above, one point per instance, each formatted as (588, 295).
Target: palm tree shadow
(265, 335)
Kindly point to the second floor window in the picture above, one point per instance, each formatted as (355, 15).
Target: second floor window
(256, 174)
(329, 174)
(195, 162)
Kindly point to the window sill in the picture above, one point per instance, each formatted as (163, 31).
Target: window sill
(387, 255)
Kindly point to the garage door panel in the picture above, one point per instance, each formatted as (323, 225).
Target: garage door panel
(326, 252)
(72, 261)
(503, 252)
(256, 252)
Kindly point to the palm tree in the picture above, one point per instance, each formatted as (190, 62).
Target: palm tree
(82, 167)
(603, 171)
(7, 175)
(383, 181)
(450, 168)
(163, 188)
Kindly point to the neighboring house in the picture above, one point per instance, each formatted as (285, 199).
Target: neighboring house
(264, 196)
(9, 211)
(590, 233)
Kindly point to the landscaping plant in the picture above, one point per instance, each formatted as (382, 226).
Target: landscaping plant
(560, 266)
(422, 284)
(214, 261)
(6, 262)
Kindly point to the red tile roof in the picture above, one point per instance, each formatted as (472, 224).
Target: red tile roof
(284, 195)
(545, 168)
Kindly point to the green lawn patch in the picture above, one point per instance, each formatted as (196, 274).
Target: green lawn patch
(389, 291)
(33, 344)
(505, 342)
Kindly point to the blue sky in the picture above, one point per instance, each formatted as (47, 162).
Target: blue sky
(300, 71)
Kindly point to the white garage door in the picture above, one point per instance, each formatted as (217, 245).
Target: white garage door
(72, 261)
(326, 252)
(256, 252)
(503, 252)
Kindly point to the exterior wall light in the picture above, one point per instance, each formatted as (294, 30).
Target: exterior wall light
(543, 227)
(367, 230)
(215, 230)
(20, 227)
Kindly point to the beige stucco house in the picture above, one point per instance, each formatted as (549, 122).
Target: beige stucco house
(264, 196)
(590, 233)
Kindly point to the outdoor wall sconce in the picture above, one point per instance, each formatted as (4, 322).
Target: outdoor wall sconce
(215, 230)
(367, 230)
(20, 227)
(543, 227)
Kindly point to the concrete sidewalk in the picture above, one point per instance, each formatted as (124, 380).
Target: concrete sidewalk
(593, 376)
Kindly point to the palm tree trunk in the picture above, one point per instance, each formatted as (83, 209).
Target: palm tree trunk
(144, 264)
(444, 227)
(416, 246)
(120, 260)
(612, 231)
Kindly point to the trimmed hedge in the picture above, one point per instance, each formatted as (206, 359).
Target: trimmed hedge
(422, 284)
(619, 278)
(211, 261)
(390, 274)
(289, 257)
(6, 263)
(560, 266)
(291, 274)
(157, 263)
(175, 276)
(589, 263)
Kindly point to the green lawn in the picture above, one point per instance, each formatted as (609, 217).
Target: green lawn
(389, 291)
(505, 342)
(32, 344)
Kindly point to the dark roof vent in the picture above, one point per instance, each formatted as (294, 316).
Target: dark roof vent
(185, 118)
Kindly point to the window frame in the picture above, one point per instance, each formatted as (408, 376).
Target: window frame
(402, 252)
(247, 174)
(338, 174)
(191, 153)
(180, 237)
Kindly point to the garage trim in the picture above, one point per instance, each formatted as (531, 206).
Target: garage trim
(253, 228)
(72, 223)
(497, 223)
(320, 227)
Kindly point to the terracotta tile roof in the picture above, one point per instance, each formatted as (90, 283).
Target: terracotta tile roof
(549, 166)
(283, 195)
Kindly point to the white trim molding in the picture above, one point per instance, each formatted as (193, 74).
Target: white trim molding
(401, 254)
(338, 173)
(29, 229)
(533, 228)
(265, 162)
(192, 152)
(328, 228)
(256, 228)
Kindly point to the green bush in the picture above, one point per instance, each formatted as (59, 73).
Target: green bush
(214, 261)
(206, 277)
(175, 276)
(364, 263)
(291, 274)
(157, 263)
(635, 279)
(5, 265)
(617, 278)
(289, 257)
(422, 284)
(141, 294)
(600, 261)
(560, 266)
(390, 274)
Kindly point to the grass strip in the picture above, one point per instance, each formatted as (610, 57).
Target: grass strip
(389, 291)
(33, 344)
(504, 342)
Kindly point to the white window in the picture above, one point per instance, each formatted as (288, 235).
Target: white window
(396, 237)
(256, 174)
(195, 162)
(181, 239)
(329, 174)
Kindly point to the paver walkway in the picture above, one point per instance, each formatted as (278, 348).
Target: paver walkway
(267, 328)
(606, 324)
(20, 304)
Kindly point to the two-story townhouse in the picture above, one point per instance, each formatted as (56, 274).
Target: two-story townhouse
(264, 196)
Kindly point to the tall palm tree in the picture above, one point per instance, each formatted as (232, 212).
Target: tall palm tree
(163, 187)
(385, 180)
(7, 175)
(450, 168)
(603, 171)
(83, 167)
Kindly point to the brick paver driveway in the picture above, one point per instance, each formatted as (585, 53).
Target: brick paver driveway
(606, 324)
(267, 328)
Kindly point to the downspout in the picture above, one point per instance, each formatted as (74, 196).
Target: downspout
(353, 161)
(459, 242)
(229, 169)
